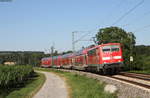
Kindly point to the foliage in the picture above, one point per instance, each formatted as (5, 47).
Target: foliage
(118, 35)
(143, 50)
(12, 76)
(31, 87)
(143, 57)
(21, 58)
(26, 57)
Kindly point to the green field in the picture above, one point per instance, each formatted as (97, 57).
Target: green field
(81, 86)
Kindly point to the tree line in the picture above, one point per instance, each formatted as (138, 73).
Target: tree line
(26, 57)
(21, 57)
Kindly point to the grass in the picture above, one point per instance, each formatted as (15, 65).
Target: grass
(141, 71)
(27, 91)
(81, 86)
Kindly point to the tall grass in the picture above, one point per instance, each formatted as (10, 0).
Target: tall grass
(12, 76)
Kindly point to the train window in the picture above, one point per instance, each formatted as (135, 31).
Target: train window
(111, 48)
(106, 49)
(92, 52)
(114, 48)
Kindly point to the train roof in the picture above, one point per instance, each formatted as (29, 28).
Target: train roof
(67, 55)
(45, 58)
(103, 45)
(110, 44)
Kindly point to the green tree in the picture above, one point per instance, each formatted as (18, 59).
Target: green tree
(118, 35)
(55, 53)
(143, 54)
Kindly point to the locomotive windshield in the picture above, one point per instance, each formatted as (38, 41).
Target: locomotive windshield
(112, 48)
(106, 48)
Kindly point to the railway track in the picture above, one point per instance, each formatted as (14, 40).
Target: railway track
(135, 75)
(142, 80)
(133, 82)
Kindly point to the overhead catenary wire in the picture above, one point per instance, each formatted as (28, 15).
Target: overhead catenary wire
(128, 12)
(139, 19)
(118, 20)
(90, 31)
(82, 37)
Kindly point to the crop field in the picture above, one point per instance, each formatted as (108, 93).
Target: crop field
(14, 77)
(11, 76)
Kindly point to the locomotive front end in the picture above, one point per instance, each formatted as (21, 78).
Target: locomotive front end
(112, 59)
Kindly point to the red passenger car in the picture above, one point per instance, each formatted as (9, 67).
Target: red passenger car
(80, 60)
(67, 60)
(56, 61)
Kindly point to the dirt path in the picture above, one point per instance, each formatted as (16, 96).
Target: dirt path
(54, 87)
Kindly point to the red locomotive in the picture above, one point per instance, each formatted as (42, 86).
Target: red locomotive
(105, 58)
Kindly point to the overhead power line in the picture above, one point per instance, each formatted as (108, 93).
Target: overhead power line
(128, 12)
(144, 27)
(82, 37)
(75, 41)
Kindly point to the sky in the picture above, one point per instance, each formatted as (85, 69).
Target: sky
(36, 25)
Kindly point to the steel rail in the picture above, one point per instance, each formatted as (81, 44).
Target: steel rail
(135, 75)
(132, 82)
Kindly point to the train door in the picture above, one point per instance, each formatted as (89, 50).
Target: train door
(98, 55)
(85, 59)
(93, 56)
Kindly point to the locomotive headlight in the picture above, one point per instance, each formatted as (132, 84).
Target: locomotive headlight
(119, 61)
(117, 57)
(106, 58)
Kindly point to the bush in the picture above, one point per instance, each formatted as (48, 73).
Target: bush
(14, 75)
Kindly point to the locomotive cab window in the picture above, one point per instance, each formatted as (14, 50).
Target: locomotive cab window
(115, 48)
(106, 49)
(92, 52)
(112, 48)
